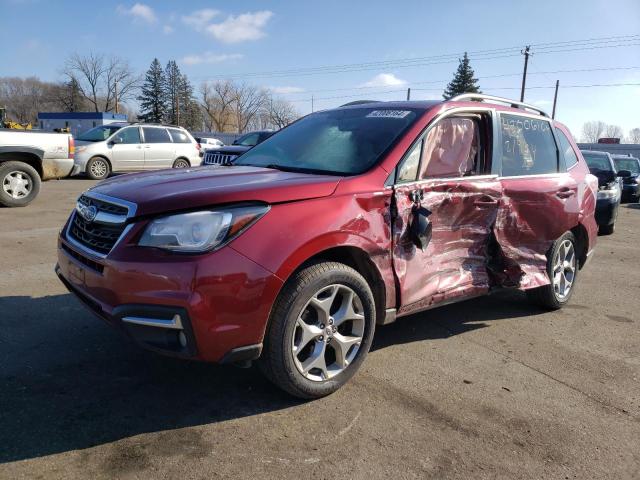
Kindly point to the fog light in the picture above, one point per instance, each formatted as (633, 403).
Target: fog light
(182, 338)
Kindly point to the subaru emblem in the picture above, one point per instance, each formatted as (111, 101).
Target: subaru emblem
(88, 212)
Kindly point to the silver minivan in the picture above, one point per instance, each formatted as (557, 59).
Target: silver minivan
(126, 148)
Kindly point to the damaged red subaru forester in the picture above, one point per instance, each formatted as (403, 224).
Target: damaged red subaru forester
(345, 219)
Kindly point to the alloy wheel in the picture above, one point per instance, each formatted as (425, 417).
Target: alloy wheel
(328, 333)
(564, 269)
(181, 164)
(98, 168)
(17, 184)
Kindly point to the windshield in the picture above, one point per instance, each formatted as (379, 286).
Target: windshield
(341, 142)
(99, 134)
(630, 164)
(248, 140)
(597, 162)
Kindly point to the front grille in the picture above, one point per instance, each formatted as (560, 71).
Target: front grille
(212, 158)
(84, 260)
(104, 206)
(95, 236)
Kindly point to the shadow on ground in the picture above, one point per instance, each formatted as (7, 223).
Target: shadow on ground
(68, 381)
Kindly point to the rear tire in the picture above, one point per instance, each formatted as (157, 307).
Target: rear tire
(320, 330)
(562, 269)
(607, 229)
(181, 163)
(98, 168)
(19, 184)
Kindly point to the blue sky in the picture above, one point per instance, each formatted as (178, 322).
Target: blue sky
(214, 39)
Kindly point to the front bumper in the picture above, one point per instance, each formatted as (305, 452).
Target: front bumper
(630, 192)
(606, 211)
(212, 307)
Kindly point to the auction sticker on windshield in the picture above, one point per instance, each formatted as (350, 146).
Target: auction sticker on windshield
(388, 114)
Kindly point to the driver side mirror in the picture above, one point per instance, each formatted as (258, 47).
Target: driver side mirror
(624, 173)
(115, 141)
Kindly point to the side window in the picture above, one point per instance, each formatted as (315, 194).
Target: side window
(128, 135)
(570, 157)
(179, 136)
(528, 146)
(450, 149)
(155, 135)
(408, 169)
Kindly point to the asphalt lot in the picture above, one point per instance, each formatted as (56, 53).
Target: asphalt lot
(489, 388)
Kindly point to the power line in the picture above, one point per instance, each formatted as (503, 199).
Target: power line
(549, 47)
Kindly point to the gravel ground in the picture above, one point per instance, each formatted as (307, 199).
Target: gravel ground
(488, 388)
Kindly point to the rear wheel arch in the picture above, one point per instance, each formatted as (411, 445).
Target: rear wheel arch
(582, 243)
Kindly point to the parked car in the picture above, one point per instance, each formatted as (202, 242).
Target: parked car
(630, 184)
(26, 158)
(609, 189)
(226, 154)
(206, 142)
(121, 148)
(345, 219)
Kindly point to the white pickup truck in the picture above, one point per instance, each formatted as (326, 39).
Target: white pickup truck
(26, 158)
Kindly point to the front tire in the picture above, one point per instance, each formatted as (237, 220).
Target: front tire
(607, 229)
(320, 330)
(19, 184)
(181, 163)
(562, 269)
(98, 168)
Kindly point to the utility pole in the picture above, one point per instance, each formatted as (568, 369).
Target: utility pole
(311, 103)
(408, 94)
(526, 54)
(555, 99)
(115, 89)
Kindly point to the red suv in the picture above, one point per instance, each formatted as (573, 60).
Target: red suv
(346, 219)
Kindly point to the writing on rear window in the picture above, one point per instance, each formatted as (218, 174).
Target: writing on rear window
(388, 114)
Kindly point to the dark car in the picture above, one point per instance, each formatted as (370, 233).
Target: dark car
(226, 154)
(630, 184)
(345, 219)
(609, 189)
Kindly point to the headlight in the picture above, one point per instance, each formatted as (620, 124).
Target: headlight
(608, 192)
(200, 231)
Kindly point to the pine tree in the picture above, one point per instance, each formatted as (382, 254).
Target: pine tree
(153, 100)
(463, 80)
(190, 112)
(172, 89)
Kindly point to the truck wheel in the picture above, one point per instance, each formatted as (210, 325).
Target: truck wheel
(320, 330)
(20, 184)
(98, 168)
(562, 268)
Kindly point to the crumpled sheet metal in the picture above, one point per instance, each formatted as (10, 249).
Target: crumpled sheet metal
(454, 263)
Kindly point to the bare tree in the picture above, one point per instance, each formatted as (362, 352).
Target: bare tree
(25, 97)
(280, 112)
(613, 131)
(217, 102)
(98, 77)
(592, 131)
(248, 102)
(634, 135)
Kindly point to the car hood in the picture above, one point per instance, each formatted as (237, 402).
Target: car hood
(164, 191)
(234, 149)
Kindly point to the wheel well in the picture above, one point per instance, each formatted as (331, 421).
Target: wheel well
(24, 157)
(582, 241)
(360, 261)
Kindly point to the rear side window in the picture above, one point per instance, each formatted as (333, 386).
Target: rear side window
(528, 146)
(179, 136)
(450, 149)
(155, 135)
(570, 157)
(128, 135)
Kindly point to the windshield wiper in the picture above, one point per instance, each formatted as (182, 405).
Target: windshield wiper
(313, 171)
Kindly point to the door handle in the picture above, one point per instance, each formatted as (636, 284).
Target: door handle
(147, 146)
(565, 193)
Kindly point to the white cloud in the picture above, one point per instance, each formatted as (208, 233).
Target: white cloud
(285, 90)
(384, 80)
(210, 57)
(139, 11)
(200, 18)
(241, 28)
(167, 29)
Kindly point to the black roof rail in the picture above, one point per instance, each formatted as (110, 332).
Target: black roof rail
(359, 102)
